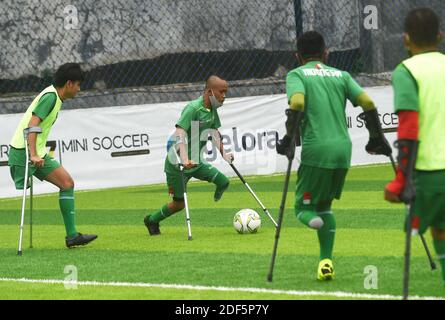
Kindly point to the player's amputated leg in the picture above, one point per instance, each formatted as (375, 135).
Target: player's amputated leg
(304, 207)
(207, 172)
(310, 219)
(222, 183)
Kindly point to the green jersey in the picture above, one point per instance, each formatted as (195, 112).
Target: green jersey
(197, 121)
(406, 96)
(325, 138)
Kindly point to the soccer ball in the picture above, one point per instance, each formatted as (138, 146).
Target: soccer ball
(246, 221)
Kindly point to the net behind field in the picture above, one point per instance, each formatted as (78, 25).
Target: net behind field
(137, 52)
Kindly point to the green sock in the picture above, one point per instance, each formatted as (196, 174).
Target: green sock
(439, 245)
(326, 235)
(161, 214)
(66, 203)
(310, 219)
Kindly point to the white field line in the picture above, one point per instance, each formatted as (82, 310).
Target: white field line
(336, 294)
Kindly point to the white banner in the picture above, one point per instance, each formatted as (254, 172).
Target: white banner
(126, 146)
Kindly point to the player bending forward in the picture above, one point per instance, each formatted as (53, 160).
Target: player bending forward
(198, 119)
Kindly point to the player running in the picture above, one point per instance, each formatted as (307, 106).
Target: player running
(198, 119)
(317, 97)
(42, 113)
(419, 84)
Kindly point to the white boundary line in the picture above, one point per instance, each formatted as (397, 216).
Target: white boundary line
(334, 294)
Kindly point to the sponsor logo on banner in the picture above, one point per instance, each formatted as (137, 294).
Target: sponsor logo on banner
(119, 146)
(126, 146)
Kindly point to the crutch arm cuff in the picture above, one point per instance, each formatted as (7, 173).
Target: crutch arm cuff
(33, 130)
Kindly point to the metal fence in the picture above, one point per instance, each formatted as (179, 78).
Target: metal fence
(136, 51)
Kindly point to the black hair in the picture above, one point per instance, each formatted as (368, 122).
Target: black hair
(311, 45)
(66, 72)
(422, 26)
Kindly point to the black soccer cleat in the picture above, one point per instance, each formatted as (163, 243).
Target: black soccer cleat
(152, 227)
(79, 240)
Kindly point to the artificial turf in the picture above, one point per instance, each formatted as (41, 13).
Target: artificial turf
(369, 233)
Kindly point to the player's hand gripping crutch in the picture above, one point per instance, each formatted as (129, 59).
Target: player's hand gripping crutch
(184, 186)
(26, 133)
(286, 147)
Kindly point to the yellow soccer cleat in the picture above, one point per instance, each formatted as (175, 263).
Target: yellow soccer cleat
(325, 270)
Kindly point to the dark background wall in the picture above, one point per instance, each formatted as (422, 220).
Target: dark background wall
(136, 51)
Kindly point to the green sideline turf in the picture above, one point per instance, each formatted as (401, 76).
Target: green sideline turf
(369, 234)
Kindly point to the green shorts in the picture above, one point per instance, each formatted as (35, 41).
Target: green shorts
(204, 172)
(318, 187)
(429, 204)
(18, 171)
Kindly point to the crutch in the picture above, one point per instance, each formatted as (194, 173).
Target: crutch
(422, 238)
(280, 221)
(26, 133)
(290, 156)
(187, 213)
(253, 194)
(248, 187)
(407, 257)
(31, 189)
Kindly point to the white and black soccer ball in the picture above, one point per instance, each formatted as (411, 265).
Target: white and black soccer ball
(247, 221)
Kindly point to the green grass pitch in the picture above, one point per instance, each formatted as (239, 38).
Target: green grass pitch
(218, 263)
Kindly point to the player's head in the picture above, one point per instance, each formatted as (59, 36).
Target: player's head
(311, 46)
(422, 29)
(69, 76)
(215, 91)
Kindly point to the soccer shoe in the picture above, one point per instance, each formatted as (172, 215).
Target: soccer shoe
(325, 270)
(79, 240)
(153, 227)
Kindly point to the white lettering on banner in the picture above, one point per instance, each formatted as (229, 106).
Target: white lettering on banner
(74, 145)
(4, 149)
(133, 150)
(250, 140)
(119, 142)
(386, 119)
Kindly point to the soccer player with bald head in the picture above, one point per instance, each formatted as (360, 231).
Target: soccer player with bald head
(198, 120)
